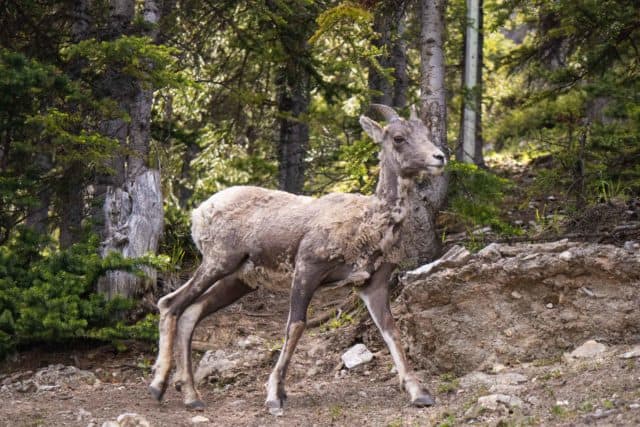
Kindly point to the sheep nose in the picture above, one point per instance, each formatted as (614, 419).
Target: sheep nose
(439, 158)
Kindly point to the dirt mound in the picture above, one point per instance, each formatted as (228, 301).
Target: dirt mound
(510, 304)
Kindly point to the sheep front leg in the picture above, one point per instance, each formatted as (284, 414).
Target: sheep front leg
(301, 292)
(376, 297)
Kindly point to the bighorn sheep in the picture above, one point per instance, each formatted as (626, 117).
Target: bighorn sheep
(251, 236)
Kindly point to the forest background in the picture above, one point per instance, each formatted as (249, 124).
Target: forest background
(117, 117)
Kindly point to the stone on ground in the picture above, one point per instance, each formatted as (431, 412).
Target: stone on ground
(588, 350)
(357, 355)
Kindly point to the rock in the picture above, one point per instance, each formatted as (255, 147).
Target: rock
(131, 419)
(497, 368)
(63, 376)
(214, 363)
(588, 350)
(439, 313)
(490, 252)
(509, 381)
(631, 354)
(26, 386)
(493, 402)
(82, 413)
(199, 419)
(566, 256)
(630, 246)
(601, 413)
(483, 230)
(251, 341)
(511, 378)
(549, 305)
(634, 406)
(356, 356)
(110, 424)
(314, 370)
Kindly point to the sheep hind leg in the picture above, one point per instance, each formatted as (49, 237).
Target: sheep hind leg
(376, 297)
(171, 308)
(223, 293)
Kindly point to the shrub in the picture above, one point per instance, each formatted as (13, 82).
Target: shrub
(47, 295)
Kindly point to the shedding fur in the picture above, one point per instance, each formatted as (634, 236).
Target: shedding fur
(251, 236)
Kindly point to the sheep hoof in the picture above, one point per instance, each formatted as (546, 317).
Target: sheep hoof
(275, 407)
(423, 400)
(156, 392)
(178, 385)
(196, 405)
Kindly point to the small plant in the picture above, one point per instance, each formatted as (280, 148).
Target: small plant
(586, 406)
(608, 404)
(554, 374)
(335, 412)
(448, 383)
(448, 421)
(559, 411)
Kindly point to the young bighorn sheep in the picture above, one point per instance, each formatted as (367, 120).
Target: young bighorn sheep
(251, 236)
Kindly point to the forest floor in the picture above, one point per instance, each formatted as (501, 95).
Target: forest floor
(602, 389)
(89, 384)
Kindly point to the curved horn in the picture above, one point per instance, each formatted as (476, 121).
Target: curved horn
(385, 111)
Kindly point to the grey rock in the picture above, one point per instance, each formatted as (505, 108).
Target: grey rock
(504, 380)
(356, 356)
(214, 363)
(493, 402)
(631, 354)
(199, 419)
(588, 350)
(131, 419)
(252, 341)
(566, 256)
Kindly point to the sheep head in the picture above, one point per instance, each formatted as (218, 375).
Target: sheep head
(405, 143)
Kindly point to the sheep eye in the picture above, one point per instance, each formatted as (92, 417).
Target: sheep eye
(399, 139)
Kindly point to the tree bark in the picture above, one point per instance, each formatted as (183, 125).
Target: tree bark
(293, 140)
(419, 235)
(132, 212)
(389, 24)
(470, 147)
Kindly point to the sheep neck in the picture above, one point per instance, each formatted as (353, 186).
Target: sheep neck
(393, 191)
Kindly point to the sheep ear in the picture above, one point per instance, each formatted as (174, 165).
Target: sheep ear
(372, 128)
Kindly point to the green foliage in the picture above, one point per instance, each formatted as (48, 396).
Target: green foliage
(475, 195)
(48, 295)
(149, 63)
(578, 68)
(43, 138)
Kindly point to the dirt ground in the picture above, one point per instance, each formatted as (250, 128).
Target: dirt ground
(603, 390)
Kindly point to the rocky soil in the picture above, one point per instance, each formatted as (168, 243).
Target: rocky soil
(513, 335)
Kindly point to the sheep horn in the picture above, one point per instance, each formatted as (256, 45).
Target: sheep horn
(385, 111)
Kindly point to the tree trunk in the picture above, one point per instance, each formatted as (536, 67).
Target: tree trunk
(420, 238)
(470, 147)
(72, 197)
(293, 103)
(132, 211)
(389, 24)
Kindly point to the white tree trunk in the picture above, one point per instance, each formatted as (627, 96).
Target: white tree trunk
(433, 89)
(472, 100)
(420, 240)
